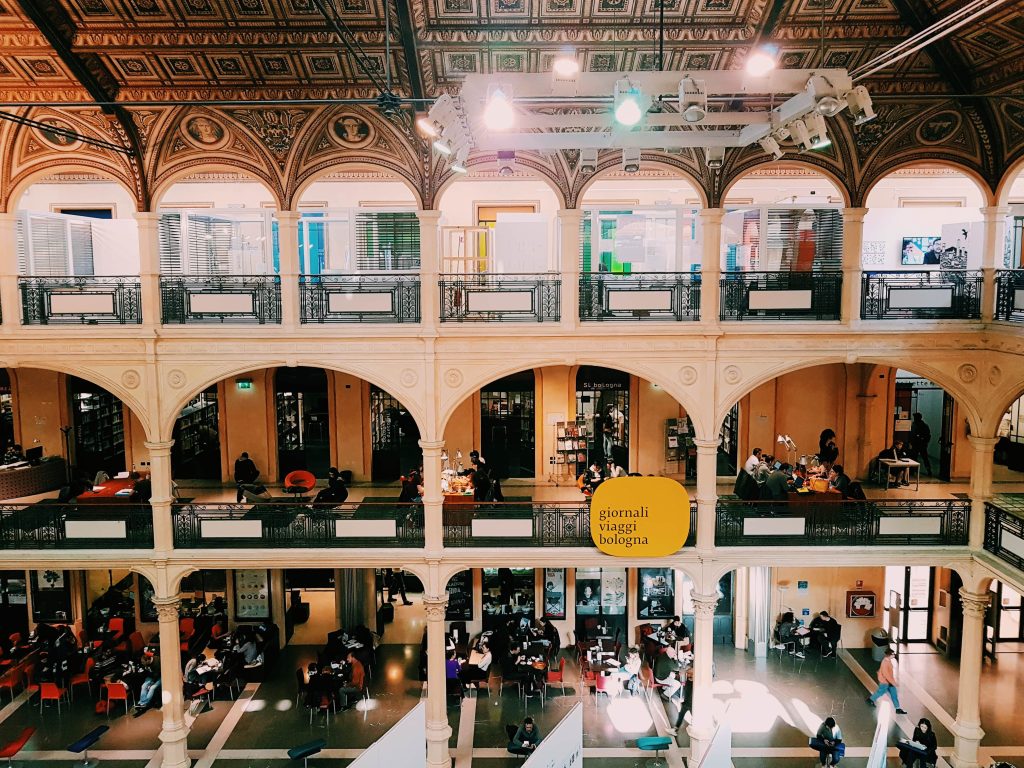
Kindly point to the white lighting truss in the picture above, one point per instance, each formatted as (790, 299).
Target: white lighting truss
(558, 112)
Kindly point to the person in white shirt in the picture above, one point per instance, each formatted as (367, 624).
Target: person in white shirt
(751, 464)
(614, 470)
(472, 673)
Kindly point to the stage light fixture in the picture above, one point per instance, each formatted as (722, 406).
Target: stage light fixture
(802, 136)
(771, 146)
(428, 127)
(628, 109)
(459, 166)
(588, 161)
(860, 106)
(444, 146)
(499, 114)
(693, 100)
(829, 106)
(631, 159)
(818, 131)
(506, 162)
(565, 67)
(714, 157)
(761, 61)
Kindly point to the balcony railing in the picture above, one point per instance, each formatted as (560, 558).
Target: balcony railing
(526, 524)
(220, 299)
(500, 298)
(781, 295)
(1004, 533)
(362, 298)
(74, 300)
(288, 525)
(1010, 295)
(942, 294)
(671, 296)
(49, 525)
(841, 523)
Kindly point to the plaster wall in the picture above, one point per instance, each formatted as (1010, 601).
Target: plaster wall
(356, 194)
(826, 591)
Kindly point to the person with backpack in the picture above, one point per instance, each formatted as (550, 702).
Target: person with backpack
(920, 437)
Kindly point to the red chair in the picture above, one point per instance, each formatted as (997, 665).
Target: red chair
(299, 482)
(115, 692)
(10, 749)
(650, 684)
(82, 678)
(50, 692)
(10, 680)
(601, 685)
(29, 673)
(15, 639)
(556, 677)
(216, 631)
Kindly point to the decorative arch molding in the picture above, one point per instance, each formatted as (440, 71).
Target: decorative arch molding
(756, 162)
(314, 173)
(683, 165)
(1014, 170)
(738, 379)
(1006, 386)
(34, 175)
(185, 381)
(543, 171)
(879, 173)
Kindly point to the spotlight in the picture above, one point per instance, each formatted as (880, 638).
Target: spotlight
(588, 161)
(428, 127)
(860, 105)
(829, 106)
(714, 157)
(459, 167)
(771, 146)
(818, 130)
(798, 130)
(631, 159)
(565, 67)
(506, 162)
(693, 100)
(826, 100)
(761, 61)
(444, 146)
(499, 114)
(628, 110)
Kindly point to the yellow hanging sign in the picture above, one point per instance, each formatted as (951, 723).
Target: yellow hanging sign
(640, 516)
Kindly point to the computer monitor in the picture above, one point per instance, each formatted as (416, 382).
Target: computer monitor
(34, 455)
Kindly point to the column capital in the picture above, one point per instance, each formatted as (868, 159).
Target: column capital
(569, 213)
(159, 447)
(975, 604)
(707, 446)
(704, 605)
(982, 443)
(435, 607)
(711, 215)
(8, 216)
(434, 446)
(146, 217)
(288, 217)
(995, 212)
(167, 607)
(854, 214)
(428, 216)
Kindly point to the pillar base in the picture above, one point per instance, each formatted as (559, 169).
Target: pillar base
(175, 744)
(967, 740)
(438, 754)
(700, 740)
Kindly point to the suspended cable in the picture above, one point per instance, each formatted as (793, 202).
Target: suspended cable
(348, 40)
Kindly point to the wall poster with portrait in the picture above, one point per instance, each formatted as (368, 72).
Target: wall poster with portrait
(507, 593)
(600, 601)
(656, 593)
(554, 593)
(460, 597)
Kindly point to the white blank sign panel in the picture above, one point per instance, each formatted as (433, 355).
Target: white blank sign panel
(365, 529)
(339, 301)
(630, 301)
(504, 301)
(81, 303)
(507, 528)
(230, 529)
(780, 300)
(1018, 299)
(903, 526)
(236, 303)
(96, 529)
(773, 526)
(921, 298)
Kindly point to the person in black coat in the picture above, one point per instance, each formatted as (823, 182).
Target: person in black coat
(246, 473)
(925, 736)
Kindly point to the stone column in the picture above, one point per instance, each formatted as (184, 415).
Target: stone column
(707, 493)
(10, 296)
(174, 733)
(569, 220)
(149, 267)
(288, 266)
(160, 501)
(430, 268)
(710, 263)
(981, 486)
(278, 604)
(438, 730)
(759, 606)
(967, 730)
(702, 725)
(741, 591)
(994, 218)
(433, 498)
(853, 246)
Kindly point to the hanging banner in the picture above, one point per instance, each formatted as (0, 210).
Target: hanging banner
(403, 744)
(639, 516)
(563, 747)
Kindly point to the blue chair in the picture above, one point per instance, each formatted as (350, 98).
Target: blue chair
(82, 746)
(654, 744)
(305, 751)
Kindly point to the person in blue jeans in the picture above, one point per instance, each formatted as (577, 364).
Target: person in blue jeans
(887, 683)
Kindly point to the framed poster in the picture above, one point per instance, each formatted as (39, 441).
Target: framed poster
(860, 604)
(588, 591)
(656, 593)
(51, 598)
(613, 591)
(252, 594)
(460, 597)
(554, 593)
(508, 592)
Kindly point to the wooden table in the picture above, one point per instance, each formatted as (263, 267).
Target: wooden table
(887, 465)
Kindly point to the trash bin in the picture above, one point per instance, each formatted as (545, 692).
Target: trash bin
(879, 642)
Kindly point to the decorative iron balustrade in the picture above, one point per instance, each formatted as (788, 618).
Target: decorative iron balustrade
(50, 525)
(1004, 534)
(526, 524)
(941, 294)
(672, 296)
(363, 298)
(500, 298)
(220, 299)
(840, 523)
(1010, 295)
(81, 300)
(813, 295)
(289, 525)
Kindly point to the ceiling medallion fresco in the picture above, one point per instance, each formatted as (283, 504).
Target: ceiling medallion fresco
(351, 131)
(56, 140)
(939, 128)
(204, 132)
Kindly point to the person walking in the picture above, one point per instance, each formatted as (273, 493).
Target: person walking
(246, 474)
(887, 682)
(920, 437)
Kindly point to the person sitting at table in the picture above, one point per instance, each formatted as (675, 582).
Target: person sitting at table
(764, 469)
(324, 684)
(13, 454)
(550, 635)
(613, 469)
(827, 449)
(665, 668)
(451, 666)
(336, 492)
(142, 488)
(925, 736)
(896, 452)
(753, 462)
(827, 742)
(412, 488)
(825, 633)
(799, 478)
(474, 673)
(526, 738)
(191, 676)
(785, 634)
(838, 480)
(79, 484)
(630, 671)
(150, 666)
(356, 682)
(246, 647)
(777, 484)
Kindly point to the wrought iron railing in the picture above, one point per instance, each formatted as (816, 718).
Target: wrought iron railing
(50, 525)
(840, 523)
(1004, 534)
(364, 298)
(551, 524)
(1010, 295)
(941, 294)
(500, 298)
(290, 525)
(220, 299)
(813, 295)
(81, 300)
(671, 296)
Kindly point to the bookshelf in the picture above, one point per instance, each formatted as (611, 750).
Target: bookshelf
(196, 435)
(680, 450)
(571, 447)
(99, 429)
